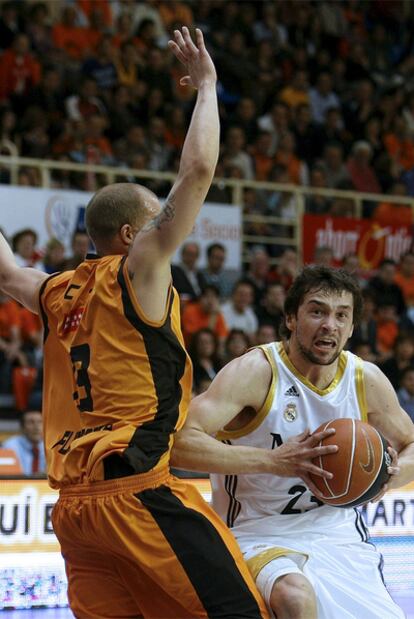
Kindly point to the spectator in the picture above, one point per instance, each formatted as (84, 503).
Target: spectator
(286, 269)
(245, 117)
(322, 97)
(68, 37)
(297, 91)
(215, 272)
(238, 311)
(19, 72)
(403, 357)
(323, 255)
(298, 173)
(276, 122)
(204, 353)
(335, 169)
(318, 204)
(360, 170)
(406, 392)
(234, 153)
(10, 24)
(53, 259)
(366, 331)
(24, 248)
(80, 246)
(387, 328)
(237, 343)
(100, 66)
(270, 312)
(265, 334)
(305, 131)
(363, 349)
(85, 104)
(187, 279)
(28, 445)
(404, 278)
(204, 313)
(10, 340)
(384, 287)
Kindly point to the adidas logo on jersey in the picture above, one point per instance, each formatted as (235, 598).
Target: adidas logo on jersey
(292, 391)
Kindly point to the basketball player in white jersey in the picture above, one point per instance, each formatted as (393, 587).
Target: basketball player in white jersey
(309, 560)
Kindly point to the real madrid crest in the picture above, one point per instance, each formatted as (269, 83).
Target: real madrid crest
(291, 412)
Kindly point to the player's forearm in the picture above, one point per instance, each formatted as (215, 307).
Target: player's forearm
(194, 450)
(406, 464)
(201, 146)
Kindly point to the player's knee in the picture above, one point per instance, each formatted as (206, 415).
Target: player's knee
(293, 597)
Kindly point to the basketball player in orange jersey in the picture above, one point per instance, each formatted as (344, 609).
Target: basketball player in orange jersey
(308, 559)
(136, 541)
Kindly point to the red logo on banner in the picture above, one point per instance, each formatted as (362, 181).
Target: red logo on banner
(369, 240)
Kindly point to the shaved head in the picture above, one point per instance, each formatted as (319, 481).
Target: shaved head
(118, 204)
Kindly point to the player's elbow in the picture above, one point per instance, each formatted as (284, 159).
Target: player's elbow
(199, 171)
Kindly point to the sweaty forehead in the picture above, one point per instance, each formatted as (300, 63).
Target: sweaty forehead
(329, 297)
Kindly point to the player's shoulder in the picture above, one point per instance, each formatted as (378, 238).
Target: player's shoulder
(374, 378)
(252, 364)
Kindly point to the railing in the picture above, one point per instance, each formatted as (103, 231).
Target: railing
(235, 186)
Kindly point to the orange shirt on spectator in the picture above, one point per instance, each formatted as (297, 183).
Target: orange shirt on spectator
(395, 214)
(262, 165)
(71, 39)
(175, 13)
(103, 6)
(194, 318)
(407, 286)
(292, 165)
(401, 150)
(18, 74)
(387, 332)
(294, 97)
(9, 317)
(30, 325)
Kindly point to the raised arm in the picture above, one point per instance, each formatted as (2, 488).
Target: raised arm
(242, 383)
(198, 159)
(22, 284)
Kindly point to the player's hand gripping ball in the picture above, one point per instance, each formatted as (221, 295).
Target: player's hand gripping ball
(359, 467)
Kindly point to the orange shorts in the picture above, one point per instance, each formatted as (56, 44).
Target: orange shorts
(150, 546)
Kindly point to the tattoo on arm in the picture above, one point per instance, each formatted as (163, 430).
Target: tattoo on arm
(167, 214)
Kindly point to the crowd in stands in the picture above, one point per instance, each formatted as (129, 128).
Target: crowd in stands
(315, 93)
(224, 313)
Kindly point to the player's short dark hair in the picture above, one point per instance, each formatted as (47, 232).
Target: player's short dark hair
(328, 279)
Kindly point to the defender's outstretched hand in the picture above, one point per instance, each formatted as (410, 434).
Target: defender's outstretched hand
(194, 57)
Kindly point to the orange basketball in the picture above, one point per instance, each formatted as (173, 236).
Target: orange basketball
(359, 467)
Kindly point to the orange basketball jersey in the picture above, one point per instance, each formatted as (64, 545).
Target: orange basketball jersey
(115, 382)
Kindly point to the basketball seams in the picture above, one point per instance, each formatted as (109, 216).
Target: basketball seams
(359, 470)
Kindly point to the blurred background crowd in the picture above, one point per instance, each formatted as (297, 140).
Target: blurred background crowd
(312, 93)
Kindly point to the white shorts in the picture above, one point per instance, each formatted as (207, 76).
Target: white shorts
(346, 577)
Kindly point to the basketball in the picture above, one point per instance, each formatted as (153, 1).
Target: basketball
(359, 467)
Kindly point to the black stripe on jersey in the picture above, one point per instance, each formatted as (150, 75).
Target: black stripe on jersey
(43, 314)
(230, 485)
(360, 526)
(365, 536)
(204, 556)
(167, 359)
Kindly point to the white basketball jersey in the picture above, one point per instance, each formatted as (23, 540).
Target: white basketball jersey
(292, 405)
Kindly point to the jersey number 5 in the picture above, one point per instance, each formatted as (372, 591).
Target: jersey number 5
(81, 356)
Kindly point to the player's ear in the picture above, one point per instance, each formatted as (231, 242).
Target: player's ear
(127, 234)
(290, 321)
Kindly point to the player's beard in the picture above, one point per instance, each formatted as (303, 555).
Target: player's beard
(313, 358)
